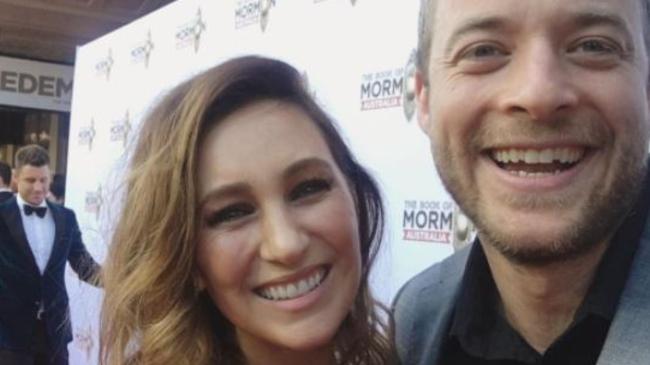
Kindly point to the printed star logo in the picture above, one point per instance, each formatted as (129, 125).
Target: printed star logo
(87, 135)
(408, 95)
(147, 48)
(106, 65)
(265, 9)
(464, 229)
(197, 29)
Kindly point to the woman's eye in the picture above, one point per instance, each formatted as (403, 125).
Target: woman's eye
(309, 188)
(230, 213)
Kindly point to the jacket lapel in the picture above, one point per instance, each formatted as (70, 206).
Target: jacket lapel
(59, 227)
(627, 340)
(11, 215)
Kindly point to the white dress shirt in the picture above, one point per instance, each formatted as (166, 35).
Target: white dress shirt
(39, 232)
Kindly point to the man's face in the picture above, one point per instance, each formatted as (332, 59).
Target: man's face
(537, 111)
(33, 183)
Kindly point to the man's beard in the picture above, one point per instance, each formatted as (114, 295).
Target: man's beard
(598, 218)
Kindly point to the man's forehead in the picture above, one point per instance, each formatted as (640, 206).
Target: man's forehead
(451, 12)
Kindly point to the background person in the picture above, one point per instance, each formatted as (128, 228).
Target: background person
(36, 239)
(255, 243)
(537, 112)
(57, 189)
(5, 181)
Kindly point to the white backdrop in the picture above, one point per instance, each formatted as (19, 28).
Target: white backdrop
(357, 57)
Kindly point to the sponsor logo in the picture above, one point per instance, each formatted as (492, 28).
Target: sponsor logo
(94, 202)
(104, 66)
(408, 94)
(141, 53)
(382, 89)
(87, 134)
(251, 12)
(121, 129)
(189, 34)
(428, 221)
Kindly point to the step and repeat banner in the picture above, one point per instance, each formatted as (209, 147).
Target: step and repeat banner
(358, 58)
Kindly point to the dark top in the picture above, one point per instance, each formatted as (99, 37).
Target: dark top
(479, 334)
(5, 195)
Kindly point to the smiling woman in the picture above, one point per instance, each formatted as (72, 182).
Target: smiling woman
(248, 232)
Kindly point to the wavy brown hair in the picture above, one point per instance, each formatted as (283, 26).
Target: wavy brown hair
(154, 312)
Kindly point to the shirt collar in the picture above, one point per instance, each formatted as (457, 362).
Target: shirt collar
(3, 189)
(22, 202)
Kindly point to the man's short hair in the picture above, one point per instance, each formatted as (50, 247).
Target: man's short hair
(5, 173)
(33, 155)
(425, 31)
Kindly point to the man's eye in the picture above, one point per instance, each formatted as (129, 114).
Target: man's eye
(229, 214)
(482, 51)
(309, 188)
(595, 46)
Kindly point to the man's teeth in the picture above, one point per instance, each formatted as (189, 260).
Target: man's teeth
(535, 156)
(293, 290)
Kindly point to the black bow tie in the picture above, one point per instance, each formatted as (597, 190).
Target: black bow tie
(40, 211)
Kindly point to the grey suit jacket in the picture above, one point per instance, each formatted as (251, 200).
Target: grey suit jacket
(424, 306)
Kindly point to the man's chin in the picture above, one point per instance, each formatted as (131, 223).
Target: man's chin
(539, 248)
(36, 201)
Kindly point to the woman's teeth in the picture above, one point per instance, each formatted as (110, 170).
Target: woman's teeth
(295, 289)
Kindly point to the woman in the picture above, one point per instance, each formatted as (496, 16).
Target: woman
(247, 232)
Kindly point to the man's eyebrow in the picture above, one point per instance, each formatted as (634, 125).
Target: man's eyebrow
(582, 19)
(474, 25)
(592, 18)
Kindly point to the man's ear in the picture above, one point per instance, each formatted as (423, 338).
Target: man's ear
(422, 96)
(14, 177)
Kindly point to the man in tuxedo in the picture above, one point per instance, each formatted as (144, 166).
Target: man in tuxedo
(37, 237)
(5, 180)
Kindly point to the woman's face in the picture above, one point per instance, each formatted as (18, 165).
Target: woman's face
(278, 246)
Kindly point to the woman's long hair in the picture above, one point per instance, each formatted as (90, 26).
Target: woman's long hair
(153, 312)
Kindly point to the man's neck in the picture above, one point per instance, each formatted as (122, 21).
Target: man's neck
(540, 302)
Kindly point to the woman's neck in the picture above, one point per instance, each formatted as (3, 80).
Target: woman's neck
(259, 352)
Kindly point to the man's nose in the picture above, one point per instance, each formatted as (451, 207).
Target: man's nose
(284, 240)
(538, 83)
(39, 186)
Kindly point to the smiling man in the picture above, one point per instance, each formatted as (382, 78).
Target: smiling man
(537, 111)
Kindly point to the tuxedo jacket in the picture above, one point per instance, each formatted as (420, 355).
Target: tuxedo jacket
(23, 289)
(424, 306)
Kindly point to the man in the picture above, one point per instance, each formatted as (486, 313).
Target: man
(36, 240)
(5, 180)
(537, 112)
